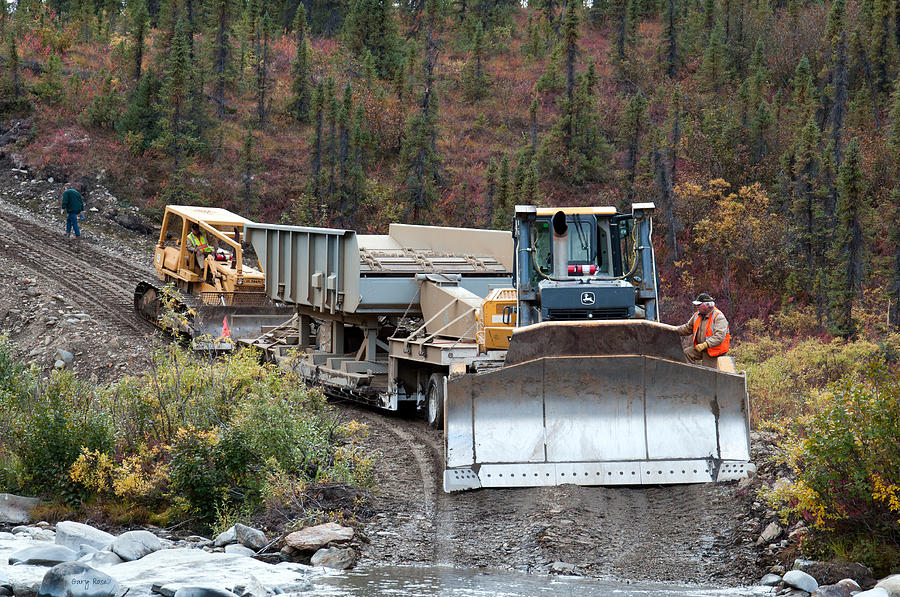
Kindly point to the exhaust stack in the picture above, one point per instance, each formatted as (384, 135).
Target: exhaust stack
(560, 246)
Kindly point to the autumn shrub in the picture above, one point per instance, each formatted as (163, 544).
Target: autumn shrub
(64, 416)
(845, 463)
(781, 375)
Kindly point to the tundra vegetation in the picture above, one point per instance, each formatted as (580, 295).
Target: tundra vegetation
(766, 132)
(192, 440)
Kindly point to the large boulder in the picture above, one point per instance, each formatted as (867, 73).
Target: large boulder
(833, 571)
(226, 537)
(771, 532)
(770, 580)
(339, 558)
(74, 579)
(250, 537)
(891, 584)
(101, 559)
(43, 555)
(134, 545)
(800, 580)
(832, 591)
(74, 534)
(16, 508)
(319, 536)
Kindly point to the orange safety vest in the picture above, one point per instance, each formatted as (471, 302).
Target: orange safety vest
(199, 244)
(719, 349)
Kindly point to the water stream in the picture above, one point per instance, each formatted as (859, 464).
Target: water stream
(439, 581)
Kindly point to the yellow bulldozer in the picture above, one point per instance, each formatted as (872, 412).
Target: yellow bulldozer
(219, 296)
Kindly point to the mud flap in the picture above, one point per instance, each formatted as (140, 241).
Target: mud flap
(595, 420)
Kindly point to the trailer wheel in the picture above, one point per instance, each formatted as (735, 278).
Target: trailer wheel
(434, 401)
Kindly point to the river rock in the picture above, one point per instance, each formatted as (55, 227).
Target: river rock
(65, 356)
(891, 584)
(239, 549)
(38, 534)
(43, 555)
(203, 592)
(184, 567)
(72, 534)
(226, 537)
(250, 537)
(876, 592)
(16, 508)
(134, 545)
(833, 571)
(339, 558)
(831, 591)
(251, 588)
(101, 559)
(74, 579)
(800, 580)
(770, 580)
(771, 532)
(319, 536)
(850, 584)
(6, 587)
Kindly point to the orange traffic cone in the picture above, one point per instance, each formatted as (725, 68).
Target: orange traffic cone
(226, 333)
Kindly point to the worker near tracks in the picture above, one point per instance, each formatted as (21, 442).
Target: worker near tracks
(72, 205)
(709, 328)
(198, 244)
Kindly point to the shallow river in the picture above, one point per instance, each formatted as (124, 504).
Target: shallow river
(456, 582)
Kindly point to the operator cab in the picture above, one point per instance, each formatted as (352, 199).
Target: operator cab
(581, 265)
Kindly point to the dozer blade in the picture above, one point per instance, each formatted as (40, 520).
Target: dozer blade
(555, 415)
(244, 322)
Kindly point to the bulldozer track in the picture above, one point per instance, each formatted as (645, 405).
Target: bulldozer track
(98, 282)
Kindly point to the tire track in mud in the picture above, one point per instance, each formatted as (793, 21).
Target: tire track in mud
(680, 534)
(99, 283)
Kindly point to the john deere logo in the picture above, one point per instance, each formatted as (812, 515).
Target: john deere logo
(587, 298)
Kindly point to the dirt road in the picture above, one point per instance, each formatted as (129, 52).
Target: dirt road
(692, 534)
(63, 294)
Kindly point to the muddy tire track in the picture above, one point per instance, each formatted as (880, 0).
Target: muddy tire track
(99, 283)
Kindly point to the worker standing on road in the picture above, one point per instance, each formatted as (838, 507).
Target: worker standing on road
(72, 205)
(198, 244)
(710, 330)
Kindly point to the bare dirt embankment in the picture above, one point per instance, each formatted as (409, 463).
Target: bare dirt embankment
(77, 296)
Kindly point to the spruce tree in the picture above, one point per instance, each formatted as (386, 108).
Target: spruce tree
(894, 133)
(532, 118)
(804, 91)
(894, 243)
(474, 79)
(177, 135)
(503, 201)
(263, 65)
(670, 35)
(138, 26)
(880, 44)
(714, 59)
(847, 247)
(222, 15)
(633, 18)
(301, 69)
(141, 119)
(12, 57)
(419, 185)
(371, 25)
(247, 169)
(490, 191)
(634, 119)
(316, 185)
(805, 173)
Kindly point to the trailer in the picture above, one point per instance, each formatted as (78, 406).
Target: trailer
(383, 319)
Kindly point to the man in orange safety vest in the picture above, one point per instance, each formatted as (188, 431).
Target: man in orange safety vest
(709, 328)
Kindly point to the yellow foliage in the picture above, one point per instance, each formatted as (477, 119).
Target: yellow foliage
(93, 469)
(888, 493)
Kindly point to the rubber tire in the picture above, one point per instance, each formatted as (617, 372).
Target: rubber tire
(434, 401)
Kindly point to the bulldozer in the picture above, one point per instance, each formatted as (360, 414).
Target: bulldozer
(593, 390)
(219, 300)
